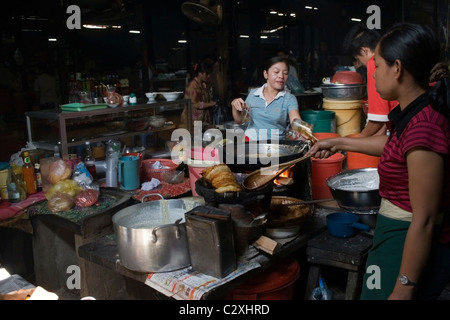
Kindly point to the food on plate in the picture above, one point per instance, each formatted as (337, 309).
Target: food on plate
(221, 178)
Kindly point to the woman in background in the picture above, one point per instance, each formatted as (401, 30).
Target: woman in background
(199, 92)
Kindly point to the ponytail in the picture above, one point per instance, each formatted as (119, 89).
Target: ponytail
(439, 93)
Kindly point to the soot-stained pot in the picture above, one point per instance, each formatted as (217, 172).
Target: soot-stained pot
(151, 236)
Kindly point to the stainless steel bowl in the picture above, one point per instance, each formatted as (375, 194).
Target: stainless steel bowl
(343, 91)
(234, 125)
(356, 189)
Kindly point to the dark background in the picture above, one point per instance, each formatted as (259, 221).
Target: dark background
(314, 36)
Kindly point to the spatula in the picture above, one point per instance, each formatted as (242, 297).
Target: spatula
(261, 177)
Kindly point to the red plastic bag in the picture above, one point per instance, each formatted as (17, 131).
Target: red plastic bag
(87, 198)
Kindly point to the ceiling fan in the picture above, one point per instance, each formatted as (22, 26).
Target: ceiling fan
(201, 12)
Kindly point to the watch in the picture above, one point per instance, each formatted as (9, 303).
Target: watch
(405, 281)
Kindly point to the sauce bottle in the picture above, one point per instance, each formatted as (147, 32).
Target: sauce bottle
(28, 174)
(37, 174)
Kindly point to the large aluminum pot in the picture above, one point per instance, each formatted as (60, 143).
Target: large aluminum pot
(151, 236)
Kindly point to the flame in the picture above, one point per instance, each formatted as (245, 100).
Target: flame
(285, 178)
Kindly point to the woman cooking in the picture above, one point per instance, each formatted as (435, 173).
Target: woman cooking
(411, 243)
(271, 107)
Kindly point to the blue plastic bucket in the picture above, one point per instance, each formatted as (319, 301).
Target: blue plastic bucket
(322, 120)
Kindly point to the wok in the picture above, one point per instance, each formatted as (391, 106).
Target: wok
(250, 156)
(356, 189)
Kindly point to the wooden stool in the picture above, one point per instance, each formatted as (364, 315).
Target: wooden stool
(345, 253)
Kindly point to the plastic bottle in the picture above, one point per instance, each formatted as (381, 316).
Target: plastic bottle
(37, 174)
(322, 292)
(56, 153)
(28, 174)
(89, 160)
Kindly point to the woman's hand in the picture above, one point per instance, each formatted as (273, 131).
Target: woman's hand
(323, 148)
(239, 104)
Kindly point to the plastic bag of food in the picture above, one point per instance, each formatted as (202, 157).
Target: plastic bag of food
(67, 186)
(61, 202)
(59, 170)
(87, 198)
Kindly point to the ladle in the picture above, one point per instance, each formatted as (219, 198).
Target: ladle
(256, 180)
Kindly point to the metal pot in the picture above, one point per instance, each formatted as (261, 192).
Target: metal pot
(343, 91)
(151, 236)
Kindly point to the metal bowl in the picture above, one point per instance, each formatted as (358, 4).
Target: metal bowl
(233, 125)
(356, 189)
(343, 91)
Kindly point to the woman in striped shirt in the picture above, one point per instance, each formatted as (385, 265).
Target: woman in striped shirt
(410, 255)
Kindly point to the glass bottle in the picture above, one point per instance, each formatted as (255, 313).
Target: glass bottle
(16, 188)
(37, 174)
(89, 160)
(28, 174)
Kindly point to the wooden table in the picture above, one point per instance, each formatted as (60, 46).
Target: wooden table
(56, 240)
(106, 274)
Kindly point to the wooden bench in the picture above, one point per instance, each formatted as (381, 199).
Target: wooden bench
(345, 253)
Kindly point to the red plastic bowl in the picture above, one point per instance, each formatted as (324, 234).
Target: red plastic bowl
(347, 77)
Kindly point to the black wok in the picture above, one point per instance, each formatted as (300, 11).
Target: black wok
(250, 156)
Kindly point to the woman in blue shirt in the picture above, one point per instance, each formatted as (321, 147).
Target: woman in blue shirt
(271, 107)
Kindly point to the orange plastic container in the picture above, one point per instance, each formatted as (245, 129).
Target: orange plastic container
(325, 135)
(322, 169)
(276, 283)
(356, 160)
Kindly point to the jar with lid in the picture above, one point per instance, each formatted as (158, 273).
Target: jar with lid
(133, 99)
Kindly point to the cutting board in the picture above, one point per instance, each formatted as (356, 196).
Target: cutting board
(72, 107)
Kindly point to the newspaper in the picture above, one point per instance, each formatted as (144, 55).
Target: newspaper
(187, 284)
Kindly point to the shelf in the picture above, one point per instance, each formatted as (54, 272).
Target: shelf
(90, 121)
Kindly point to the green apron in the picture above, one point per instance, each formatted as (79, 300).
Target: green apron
(386, 254)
